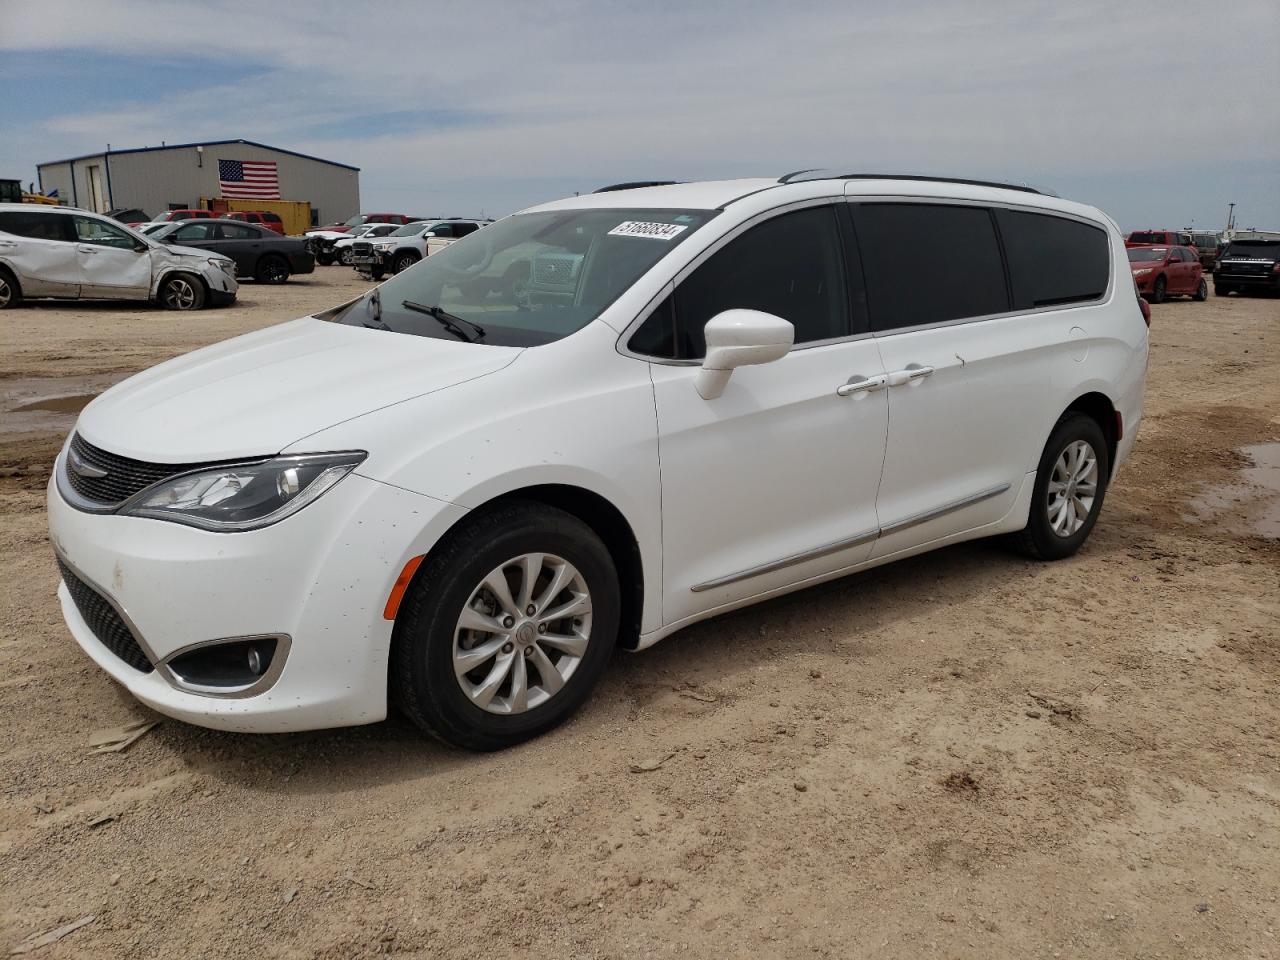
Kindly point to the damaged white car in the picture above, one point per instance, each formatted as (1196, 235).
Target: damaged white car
(73, 254)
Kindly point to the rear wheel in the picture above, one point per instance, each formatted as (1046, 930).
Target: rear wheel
(10, 291)
(1159, 291)
(182, 291)
(1071, 482)
(272, 269)
(1202, 291)
(507, 627)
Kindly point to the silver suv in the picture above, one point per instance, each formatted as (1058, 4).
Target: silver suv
(71, 254)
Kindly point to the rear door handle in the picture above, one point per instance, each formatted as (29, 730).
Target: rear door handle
(862, 385)
(913, 371)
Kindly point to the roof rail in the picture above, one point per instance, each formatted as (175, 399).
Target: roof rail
(635, 185)
(799, 176)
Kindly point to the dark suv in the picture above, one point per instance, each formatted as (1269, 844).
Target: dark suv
(1248, 265)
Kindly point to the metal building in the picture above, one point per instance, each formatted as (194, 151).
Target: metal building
(179, 176)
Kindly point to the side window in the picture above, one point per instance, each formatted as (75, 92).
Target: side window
(102, 234)
(1052, 259)
(234, 231)
(929, 263)
(271, 218)
(37, 226)
(196, 231)
(443, 230)
(462, 229)
(790, 266)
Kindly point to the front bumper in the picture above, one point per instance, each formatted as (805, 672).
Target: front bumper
(1253, 281)
(320, 577)
(302, 263)
(1146, 284)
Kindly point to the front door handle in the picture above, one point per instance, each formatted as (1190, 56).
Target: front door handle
(862, 385)
(913, 372)
(85, 248)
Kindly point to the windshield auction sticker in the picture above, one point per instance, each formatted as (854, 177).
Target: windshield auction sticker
(654, 231)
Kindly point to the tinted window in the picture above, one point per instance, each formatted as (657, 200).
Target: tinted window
(194, 231)
(929, 263)
(442, 230)
(1052, 259)
(462, 229)
(102, 234)
(234, 231)
(271, 218)
(37, 226)
(790, 266)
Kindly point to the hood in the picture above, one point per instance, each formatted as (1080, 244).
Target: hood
(255, 395)
(182, 251)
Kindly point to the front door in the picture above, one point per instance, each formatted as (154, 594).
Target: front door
(113, 263)
(774, 482)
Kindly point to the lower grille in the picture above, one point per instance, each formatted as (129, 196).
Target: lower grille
(111, 631)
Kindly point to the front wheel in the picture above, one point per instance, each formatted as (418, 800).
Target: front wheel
(1071, 482)
(1202, 291)
(507, 627)
(403, 262)
(182, 291)
(1159, 291)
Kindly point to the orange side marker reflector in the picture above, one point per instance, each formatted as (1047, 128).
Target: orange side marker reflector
(402, 584)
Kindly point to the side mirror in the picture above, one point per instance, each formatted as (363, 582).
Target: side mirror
(739, 338)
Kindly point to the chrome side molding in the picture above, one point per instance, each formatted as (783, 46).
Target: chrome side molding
(837, 545)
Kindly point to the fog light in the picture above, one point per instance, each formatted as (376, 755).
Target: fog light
(226, 666)
(255, 662)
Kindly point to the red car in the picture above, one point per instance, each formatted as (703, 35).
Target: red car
(263, 218)
(170, 215)
(1157, 238)
(368, 218)
(1167, 271)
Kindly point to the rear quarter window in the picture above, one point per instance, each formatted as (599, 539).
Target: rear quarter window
(1053, 260)
(36, 225)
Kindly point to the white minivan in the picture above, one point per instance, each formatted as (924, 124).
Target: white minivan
(458, 494)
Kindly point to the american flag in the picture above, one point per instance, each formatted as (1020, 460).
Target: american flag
(249, 179)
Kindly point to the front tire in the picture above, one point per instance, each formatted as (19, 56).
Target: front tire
(1159, 291)
(403, 262)
(1071, 483)
(506, 628)
(182, 291)
(272, 269)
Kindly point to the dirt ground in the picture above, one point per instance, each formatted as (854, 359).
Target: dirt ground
(966, 754)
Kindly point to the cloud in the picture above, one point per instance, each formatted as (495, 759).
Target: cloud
(464, 106)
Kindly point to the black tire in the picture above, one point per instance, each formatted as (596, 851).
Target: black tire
(324, 261)
(1223, 289)
(10, 290)
(1158, 292)
(345, 255)
(1202, 291)
(272, 269)
(1038, 539)
(377, 273)
(182, 291)
(422, 679)
(404, 261)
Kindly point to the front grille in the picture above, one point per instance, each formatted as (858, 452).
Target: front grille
(551, 268)
(124, 477)
(101, 616)
(362, 248)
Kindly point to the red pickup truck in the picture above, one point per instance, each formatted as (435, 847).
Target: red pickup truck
(263, 218)
(363, 218)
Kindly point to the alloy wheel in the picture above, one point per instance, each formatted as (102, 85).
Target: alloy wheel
(6, 292)
(179, 294)
(1073, 487)
(522, 633)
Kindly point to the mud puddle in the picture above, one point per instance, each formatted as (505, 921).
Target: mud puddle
(1250, 506)
(47, 404)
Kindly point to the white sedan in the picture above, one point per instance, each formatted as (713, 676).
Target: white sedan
(461, 493)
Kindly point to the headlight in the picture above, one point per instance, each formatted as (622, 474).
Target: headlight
(226, 266)
(383, 246)
(244, 496)
(1143, 272)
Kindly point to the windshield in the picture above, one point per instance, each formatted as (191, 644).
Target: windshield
(1160, 236)
(1253, 249)
(412, 229)
(1147, 254)
(527, 280)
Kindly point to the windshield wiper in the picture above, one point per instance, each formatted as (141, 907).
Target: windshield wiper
(375, 322)
(451, 322)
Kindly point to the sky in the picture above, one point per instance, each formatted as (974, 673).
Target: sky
(1160, 113)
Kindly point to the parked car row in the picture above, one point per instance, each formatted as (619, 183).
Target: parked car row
(258, 252)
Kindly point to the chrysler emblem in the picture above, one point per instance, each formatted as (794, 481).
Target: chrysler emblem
(82, 467)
